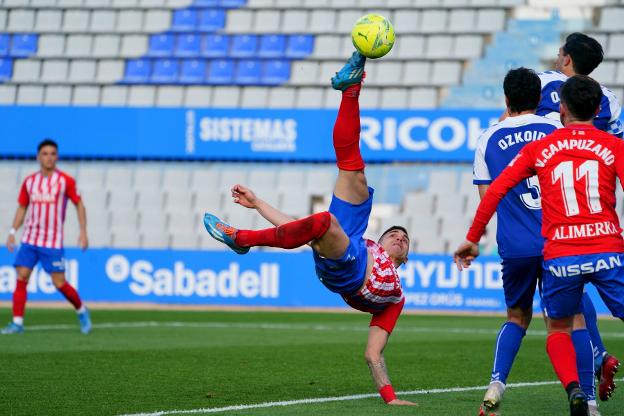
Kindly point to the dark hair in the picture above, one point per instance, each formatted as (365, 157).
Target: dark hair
(523, 89)
(581, 95)
(394, 227)
(47, 142)
(586, 52)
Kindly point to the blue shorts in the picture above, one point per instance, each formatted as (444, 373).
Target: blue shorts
(346, 274)
(565, 277)
(520, 277)
(52, 259)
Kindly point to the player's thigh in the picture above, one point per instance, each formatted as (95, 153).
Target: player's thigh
(52, 260)
(561, 295)
(520, 277)
(333, 243)
(25, 260)
(351, 186)
(610, 286)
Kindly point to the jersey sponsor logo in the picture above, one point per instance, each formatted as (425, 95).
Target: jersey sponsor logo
(568, 232)
(571, 270)
(520, 137)
(42, 197)
(573, 144)
(146, 280)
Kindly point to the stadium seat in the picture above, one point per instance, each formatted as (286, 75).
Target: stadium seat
(221, 71)
(129, 20)
(57, 95)
(266, 21)
(226, 97)
(114, 95)
(182, 241)
(51, 46)
(243, 46)
(254, 97)
(149, 200)
(5, 42)
(7, 92)
(147, 177)
(202, 179)
(248, 72)
(103, 21)
(133, 46)
(176, 178)
(137, 71)
(282, 97)
(215, 46)
(198, 97)
(161, 45)
(206, 3)
(23, 45)
(82, 71)
(109, 71)
(54, 70)
(299, 46)
(272, 46)
(165, 71)
(211, 20)
(294, 20)
(156, 21)
(48, 21)
(86, 95)
(25, 70)
(154, 238)
(327, 46)
(275, 72)
(321, 20)
(78, 46)
(184, 20)
(239, 21)
(193, 71)
(393, 98)
(232, 3)
(410, 47)
(106, 46)
(169, 96)
(187, 46)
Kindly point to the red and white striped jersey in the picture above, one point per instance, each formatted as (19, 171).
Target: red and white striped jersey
(46, 198)
(382, 288)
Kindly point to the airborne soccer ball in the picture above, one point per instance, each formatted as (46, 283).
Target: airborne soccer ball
(373, 35)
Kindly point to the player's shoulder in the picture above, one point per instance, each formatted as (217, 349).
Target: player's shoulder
(65, 175)
(548, 77)
(30, 177)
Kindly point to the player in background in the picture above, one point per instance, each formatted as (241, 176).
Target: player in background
(363, 272)
(519, 240)
(579, 55)
(42, 202)
(577, 168)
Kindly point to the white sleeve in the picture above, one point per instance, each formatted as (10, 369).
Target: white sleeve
(480, 171)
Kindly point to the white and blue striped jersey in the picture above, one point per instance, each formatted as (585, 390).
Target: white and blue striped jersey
(520, 212)
(608, 119)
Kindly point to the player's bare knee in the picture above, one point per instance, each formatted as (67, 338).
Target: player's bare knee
(23, 274)
(372, 356)
(58, 281)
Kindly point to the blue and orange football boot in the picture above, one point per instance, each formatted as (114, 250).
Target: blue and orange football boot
(350, 74)
(223, 232)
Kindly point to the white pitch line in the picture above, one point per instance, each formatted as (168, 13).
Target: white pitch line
(297, 327)
(332, 399)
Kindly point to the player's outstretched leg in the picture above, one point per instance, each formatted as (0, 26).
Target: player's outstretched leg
(290, 235)
(72, 296)
(16, 326)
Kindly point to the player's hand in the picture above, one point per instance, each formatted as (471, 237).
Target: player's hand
(83, 241)
(398, 402)
(244, 196)
(465, 254)
(10, 244)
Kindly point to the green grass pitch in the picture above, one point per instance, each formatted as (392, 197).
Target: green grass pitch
(148, 361)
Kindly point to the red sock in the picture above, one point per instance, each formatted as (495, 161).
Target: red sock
(347, 131)
(290, 235)
(71, 295)
(19, 299)
(563, 357)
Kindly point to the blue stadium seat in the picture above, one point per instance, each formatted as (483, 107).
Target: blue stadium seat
(272, 46)
(299, 46)
(165, 71)
(184, 20)
(23, 45)
(244, 46)
(193, 71)
(215, 46)
(232, 3)
(187, 46)
(275, 72)
(248, 72)
(221, 72)
(137, 71)
(5, 43)
(206, 3)
(161, 45)
(6, 69)
(211, 20)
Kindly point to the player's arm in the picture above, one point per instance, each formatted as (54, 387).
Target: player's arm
(247, 198)
(377, 340)
(83, 240)
(23, 199)
(482, 190)
(18, 220)
(520, 168)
